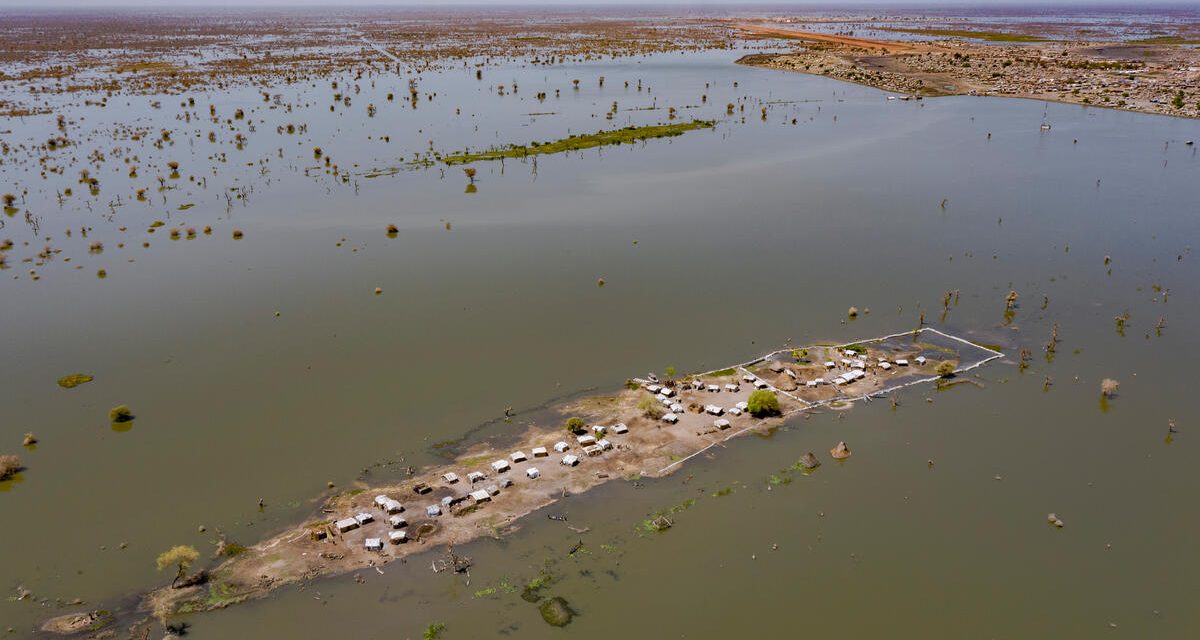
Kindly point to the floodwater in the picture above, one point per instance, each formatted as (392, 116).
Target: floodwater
(714, 246)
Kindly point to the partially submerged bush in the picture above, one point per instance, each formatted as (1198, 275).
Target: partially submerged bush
(9, 466)
(1108, 387)
(120, 413)
(763, 403)
(556, 612)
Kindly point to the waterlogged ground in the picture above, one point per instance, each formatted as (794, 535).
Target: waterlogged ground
(266, 367)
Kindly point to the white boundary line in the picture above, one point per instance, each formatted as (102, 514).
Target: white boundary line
(824, 403)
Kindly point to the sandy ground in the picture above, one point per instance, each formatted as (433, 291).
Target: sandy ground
(1147, 78)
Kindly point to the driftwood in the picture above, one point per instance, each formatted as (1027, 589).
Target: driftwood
(577, 547)
(451, 562)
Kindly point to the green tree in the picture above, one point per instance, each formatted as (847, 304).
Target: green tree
(763, 403)
(670, 371)
(946, 368)
(181, 557)
(575, 424)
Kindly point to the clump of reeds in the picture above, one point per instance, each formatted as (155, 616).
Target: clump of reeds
(852, 312)
(9, 199)
(237, 234)
(96, 247)
(392, 230)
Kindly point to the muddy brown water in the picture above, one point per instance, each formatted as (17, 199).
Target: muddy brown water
(714, 246)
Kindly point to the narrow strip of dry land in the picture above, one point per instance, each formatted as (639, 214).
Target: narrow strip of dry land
(648, 429)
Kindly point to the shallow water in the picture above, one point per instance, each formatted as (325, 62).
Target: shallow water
(714, 246)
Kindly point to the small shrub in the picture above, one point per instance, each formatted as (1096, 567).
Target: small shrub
(575, 424)
(651, 407)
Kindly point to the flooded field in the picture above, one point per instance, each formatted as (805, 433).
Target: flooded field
(327, 301)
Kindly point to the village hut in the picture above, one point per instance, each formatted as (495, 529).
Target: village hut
(540, 452)
(373, 544)
(347, 524)
(533, 473)
(397, 537)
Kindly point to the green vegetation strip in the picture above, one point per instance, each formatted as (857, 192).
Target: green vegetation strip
(573, 143)
(990, 36)
(1165, 40)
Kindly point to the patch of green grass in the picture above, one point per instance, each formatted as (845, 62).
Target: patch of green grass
(1165, 40)
(233, 549)
(185, 207)
(575, 143)
(354, 492)
(220, 595)
(531, 592)
(776, 480)
(723, 373)
(989, 36)
(433, 631)
(722, 492)
(856, 348)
